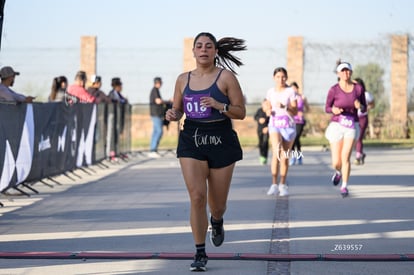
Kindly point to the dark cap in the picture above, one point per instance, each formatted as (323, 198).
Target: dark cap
(157, 79)
(116, 81)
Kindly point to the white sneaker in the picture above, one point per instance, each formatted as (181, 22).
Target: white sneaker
(153, 155)
(273, 190)
(283, 190)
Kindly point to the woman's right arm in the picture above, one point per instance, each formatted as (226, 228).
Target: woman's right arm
(268, 108)
(176, 112)
(329, 101)
(330, 108)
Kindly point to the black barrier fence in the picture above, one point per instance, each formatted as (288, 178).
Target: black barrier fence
(42, 140)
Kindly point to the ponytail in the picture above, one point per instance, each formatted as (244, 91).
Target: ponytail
(224, 57)
(55, 88)
(224, 46)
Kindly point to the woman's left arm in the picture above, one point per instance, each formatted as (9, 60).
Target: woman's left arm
(292, 106)
(237, 107)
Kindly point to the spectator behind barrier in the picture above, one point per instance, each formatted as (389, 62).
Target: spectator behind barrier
(59, 86)
(78, 90)
(115, 93)
(7, 75)
(157, 112)
(95, 90)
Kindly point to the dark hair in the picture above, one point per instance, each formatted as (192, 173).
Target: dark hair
(56, 84)
(294, 84)
(116, 81)
(224, 46)
(97, 79)
(360, 82)
(338, 61)
(157, 80)
(280, 69)
(81, 75)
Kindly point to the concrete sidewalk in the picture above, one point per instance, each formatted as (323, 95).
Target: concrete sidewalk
(143, 206)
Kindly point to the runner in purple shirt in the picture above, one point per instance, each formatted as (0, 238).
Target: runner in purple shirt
(343, 101)
(300, 122)
(363, 124)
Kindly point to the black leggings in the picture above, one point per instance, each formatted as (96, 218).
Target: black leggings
(297, 145)
(263, 144)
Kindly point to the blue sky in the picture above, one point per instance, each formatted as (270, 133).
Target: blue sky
(164, 23)
(138, 40)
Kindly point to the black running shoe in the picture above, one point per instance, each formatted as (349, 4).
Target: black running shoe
(216, 233)
(200, 261)
(363, 159)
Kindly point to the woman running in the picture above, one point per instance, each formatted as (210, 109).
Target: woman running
(282, 106)
(343, 101)
(363, 124)
(300, 121)
(210, 96)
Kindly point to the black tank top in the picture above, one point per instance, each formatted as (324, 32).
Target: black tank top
(191, 102)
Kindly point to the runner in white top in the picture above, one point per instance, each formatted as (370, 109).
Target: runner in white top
(282, 106)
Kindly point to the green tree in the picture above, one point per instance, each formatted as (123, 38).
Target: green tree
(372, 75)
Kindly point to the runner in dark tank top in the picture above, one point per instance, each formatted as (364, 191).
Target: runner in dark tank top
(208, 147)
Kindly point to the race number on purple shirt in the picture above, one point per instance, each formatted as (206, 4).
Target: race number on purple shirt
(193, 108)
(281, 121)
(347, 121)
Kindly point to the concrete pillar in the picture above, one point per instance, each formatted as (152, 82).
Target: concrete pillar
(399, 84)
(295, 56)
(88, 55)
(188, 57)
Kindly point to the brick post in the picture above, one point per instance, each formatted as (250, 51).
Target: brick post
(295, 55)
(399, 85)
(88, 55)
(188, 57)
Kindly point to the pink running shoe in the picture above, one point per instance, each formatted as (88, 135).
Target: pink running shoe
(336, 178)
(344, 192)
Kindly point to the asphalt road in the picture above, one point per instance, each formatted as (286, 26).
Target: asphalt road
(142, 207)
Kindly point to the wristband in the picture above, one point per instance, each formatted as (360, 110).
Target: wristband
(225, 108)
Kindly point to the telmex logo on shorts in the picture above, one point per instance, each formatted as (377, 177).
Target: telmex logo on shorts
(288, 154)
(200, 139)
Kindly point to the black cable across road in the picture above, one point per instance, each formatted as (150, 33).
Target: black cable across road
(114, 255)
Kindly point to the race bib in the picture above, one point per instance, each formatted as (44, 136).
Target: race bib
(280, 121)
(347, 121)
(193, 108)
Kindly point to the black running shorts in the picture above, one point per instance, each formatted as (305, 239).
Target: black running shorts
(214, 142)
